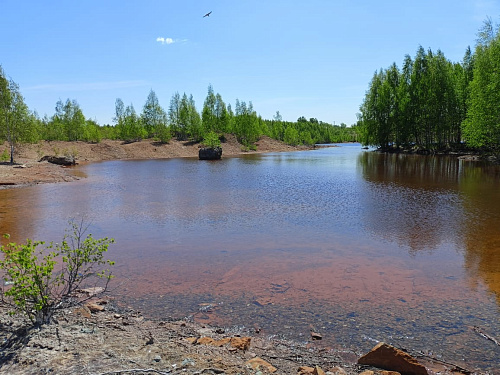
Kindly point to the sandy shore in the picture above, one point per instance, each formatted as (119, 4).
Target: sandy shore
(29, 171)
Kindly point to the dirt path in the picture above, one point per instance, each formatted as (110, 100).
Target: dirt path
(29, 171)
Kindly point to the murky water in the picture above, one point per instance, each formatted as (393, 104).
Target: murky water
(356, 245)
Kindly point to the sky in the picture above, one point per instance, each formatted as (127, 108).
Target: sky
(311, 58)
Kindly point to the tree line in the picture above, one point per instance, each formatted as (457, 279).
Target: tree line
(434, 104)
(181, 120)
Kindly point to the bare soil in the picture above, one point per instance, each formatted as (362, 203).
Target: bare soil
(28, 170)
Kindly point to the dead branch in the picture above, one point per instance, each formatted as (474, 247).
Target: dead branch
(485, 335)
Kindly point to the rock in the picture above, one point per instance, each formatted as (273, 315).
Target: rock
(157, 358)
(94, 307)
(242, 343)
(192, 340)
(257, 363)
(338, 371)
(387, 357)
(305, 370)
(316, 336)
(209, 153)
(59, 160)
(222, 342)
(83, 311)
(205, 341)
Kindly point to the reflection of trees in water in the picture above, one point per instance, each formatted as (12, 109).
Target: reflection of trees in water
(410, 199)
(480, 186)
(17, 214)
(421, 202)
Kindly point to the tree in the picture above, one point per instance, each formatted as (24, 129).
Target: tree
(174, 114)
(208, 115)
(291, 136)
(194, 124)
(14, 114)
(246, 124)
(129, 125)
(481, 128)
(154, 119)
(36, 289)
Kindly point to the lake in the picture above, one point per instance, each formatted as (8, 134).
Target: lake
(355, 245)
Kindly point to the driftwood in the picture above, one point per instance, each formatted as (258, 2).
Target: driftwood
(485, 335)
(59, 160)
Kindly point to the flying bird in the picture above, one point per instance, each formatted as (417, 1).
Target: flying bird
(207, 15)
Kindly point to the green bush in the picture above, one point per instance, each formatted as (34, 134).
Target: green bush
(5, 156)
(35, 289)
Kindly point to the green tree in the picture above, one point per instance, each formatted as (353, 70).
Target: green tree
(14, 114)
(291, 136)
(174, 115)
(194, 124)
(208, 114)
(129, 125)
(481, 128)
(246, 123)
(154, 119)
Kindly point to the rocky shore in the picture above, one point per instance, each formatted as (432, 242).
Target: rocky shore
(100, 338)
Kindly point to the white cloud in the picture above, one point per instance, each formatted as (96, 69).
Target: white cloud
(163, 40)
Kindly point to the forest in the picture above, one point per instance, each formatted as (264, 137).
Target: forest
(182, 120)
(434, 105)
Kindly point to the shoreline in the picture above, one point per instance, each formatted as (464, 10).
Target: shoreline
(29, 171)
(100, 337)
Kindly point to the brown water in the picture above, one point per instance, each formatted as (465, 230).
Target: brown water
(357, 245)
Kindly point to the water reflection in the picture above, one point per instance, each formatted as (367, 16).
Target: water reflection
(425, 202)
(480, 186)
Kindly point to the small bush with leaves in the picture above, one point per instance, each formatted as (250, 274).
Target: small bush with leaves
(41, 279)
(5, 155)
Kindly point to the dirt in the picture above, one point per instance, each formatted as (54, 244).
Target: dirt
(28, 170)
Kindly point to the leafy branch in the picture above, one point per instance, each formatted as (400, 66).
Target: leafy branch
(41, 279)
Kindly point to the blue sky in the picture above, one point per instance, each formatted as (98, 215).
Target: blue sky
(310, 58)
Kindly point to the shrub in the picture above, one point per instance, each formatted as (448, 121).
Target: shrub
(35, 289)
(5, 156)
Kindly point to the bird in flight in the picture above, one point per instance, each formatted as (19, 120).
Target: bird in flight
(207, 15)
